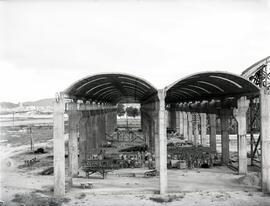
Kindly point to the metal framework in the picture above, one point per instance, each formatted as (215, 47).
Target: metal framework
(260, 76)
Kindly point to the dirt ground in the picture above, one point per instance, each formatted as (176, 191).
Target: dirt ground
(21, 185)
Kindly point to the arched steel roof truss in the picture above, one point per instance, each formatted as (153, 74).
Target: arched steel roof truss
(208, 85)
(111, 88)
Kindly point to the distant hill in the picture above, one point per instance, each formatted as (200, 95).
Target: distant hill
(8, 105)
(41, 102)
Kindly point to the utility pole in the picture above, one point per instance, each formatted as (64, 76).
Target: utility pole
(31, 138)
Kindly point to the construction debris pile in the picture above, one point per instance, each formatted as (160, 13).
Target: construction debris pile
(132, 158)
(191, 157)
(183, 154)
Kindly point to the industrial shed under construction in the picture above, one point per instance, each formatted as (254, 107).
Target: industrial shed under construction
(192, 106)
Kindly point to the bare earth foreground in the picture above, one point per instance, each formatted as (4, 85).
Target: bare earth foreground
(22, 185)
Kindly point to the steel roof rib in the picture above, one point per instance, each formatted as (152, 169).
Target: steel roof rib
(210, 84)
(109, 87)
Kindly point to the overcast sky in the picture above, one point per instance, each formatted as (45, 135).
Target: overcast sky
(47, 46)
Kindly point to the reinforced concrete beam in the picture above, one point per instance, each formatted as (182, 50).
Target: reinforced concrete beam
(89, 107)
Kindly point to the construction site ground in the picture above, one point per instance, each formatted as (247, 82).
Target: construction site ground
(22, 185)
(214, 186)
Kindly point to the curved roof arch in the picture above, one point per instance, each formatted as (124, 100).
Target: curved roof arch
(255, 67)
(112, 88)
(209, 85)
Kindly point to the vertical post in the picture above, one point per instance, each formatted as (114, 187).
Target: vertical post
(168, 119)
(224, 120)
(59, 146)
(145, 128)
(31, 139)
(196, 129)
(162, 143)
(189, 120)
(114, 116)
(173, 118)
(240, 116)
(148, 132)
(156, 142)
(181, 125)
(213, 131)
(203, 128)
(265, 139)
(73, 125)
(251, 116)
(177, 122)
(106, 123)
(82, 136)
(185, 125)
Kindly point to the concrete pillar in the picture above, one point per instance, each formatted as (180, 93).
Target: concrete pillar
(240, 116)
(111, 122)
(107, 124)
(196, 128)
(99, 130)
(114, 120)
(152, 137)
(181, 123)
(163, 184)
(265, 139)
(59, 147)
(168, 119)
(103, 127)
(213, 131)
(173, 119)
(224, 120)
(189, 120)
(95, 127)
(156, 143)
(82, 137)
(185, 125)
(91, 134)
(73, 123)
(177, 122)
(148, 133)
(146, 128)
(203, 128)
